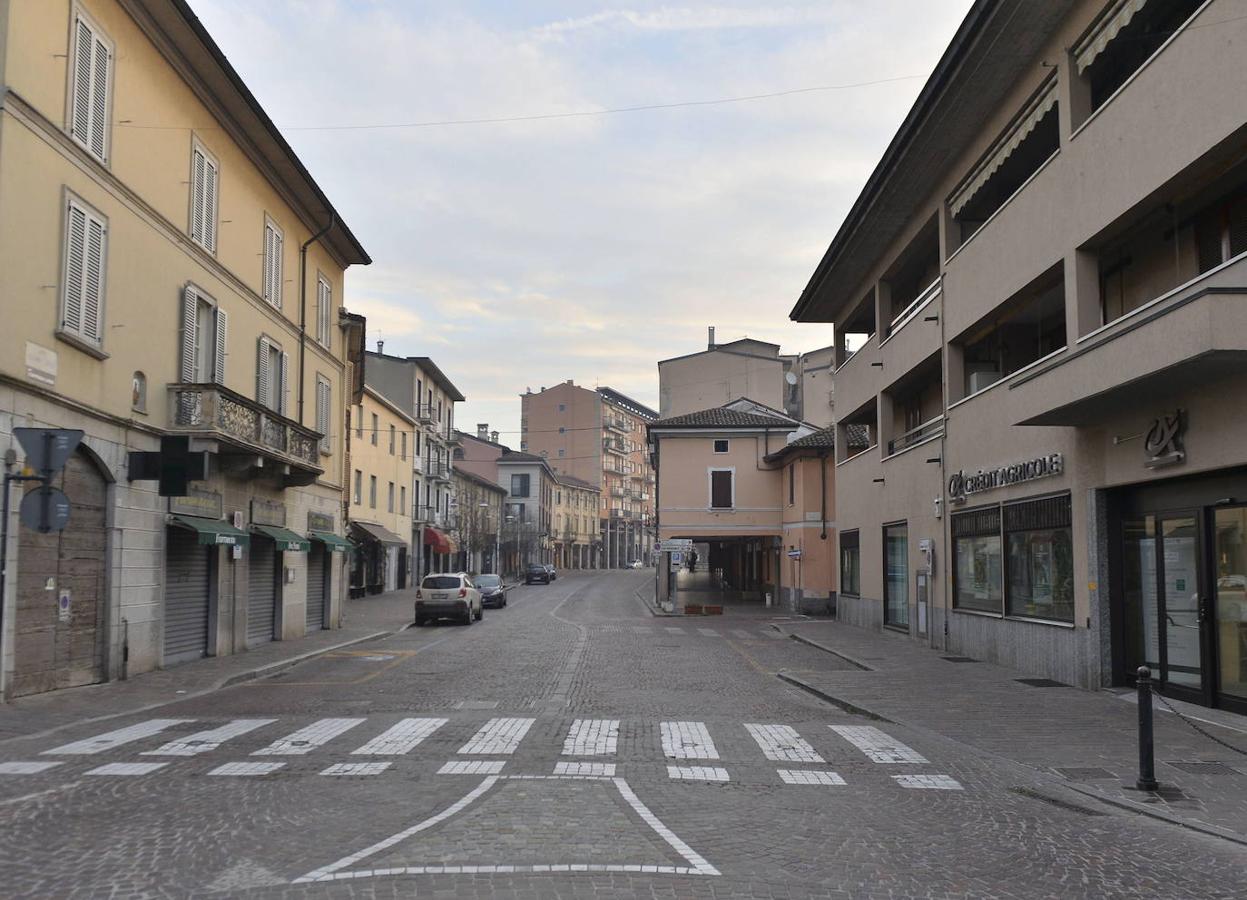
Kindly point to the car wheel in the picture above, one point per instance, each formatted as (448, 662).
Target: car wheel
(420, 620)
(504, 602)
(467, 616)
(480, 613)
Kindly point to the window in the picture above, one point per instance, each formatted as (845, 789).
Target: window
(272, 374)
(402, 445)
(850, 563)
(138, 392)
(720, 446)
(562, 408)
(792, 483)
(323, 407)
(392, 435)
(203, 338)
(722, 490)
(372, 491)
(376, 428)
(205, 185)
(977, 581)
(896, 575)
(561, 452)
(82, 287)
(359, 487)
(91, 71)
(324, 311)
(562, 430)
(1040, 561)
(389, 498)
(273, 243)
(402, 501)
(359, 422)
(520, 485)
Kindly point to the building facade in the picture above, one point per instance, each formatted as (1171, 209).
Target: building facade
(528, 519)
(180, 281)
(1046, 322)
(382, 448)
(477, 514)
(575, 523)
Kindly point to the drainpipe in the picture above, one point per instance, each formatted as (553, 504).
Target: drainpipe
(822, 459)
(333, 218)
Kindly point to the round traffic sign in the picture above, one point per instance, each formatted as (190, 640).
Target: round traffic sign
(45, 509)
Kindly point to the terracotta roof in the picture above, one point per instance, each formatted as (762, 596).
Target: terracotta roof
(468, 475)
(519, 456)
(823, 439)
(573, 481)
(720, 417)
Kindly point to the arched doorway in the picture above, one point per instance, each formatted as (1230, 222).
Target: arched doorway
(59, 630)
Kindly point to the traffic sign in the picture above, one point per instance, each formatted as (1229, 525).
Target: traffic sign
(45, 509)
(675, 545)
(47, 449)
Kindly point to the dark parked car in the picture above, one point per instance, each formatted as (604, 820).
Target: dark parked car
(493, 591)
(535, 573)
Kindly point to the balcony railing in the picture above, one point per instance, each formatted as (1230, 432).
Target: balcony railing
(619, 492)
(614, 423)
(438, 471)
(426, 413)
(215, 411)
(617, 513)
(614, 445)
(916, 435)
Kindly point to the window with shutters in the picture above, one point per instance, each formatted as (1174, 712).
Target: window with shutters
(402, 445)
(274, 242)
(393, 433)
(402, 500)
(359, 487)
(205, 187)
(272, 375)
(389, 499)
(323, 413)
(372, 491)
(82, 282)
(722, 489)
(359, 422)
(204, 327)
(324, 311)
(90, 86)
(376, 427)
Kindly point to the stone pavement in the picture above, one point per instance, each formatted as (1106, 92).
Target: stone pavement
(1087, 739)
(364, 619)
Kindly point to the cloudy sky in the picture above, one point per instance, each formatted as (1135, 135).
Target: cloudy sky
(521, 254)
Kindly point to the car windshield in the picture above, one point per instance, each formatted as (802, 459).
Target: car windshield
(441, 581)
(488, 581)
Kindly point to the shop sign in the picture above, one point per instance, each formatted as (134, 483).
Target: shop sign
(268, 512)
(205, 504)
(319, 522)
(794, 553)
(963, 483)
(1163, 442)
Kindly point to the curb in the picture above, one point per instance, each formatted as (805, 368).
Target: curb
(275, 667)
(801, 639)
(1139, 809)
(834, 701)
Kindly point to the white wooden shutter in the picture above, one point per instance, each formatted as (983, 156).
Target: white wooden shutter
(272, 265)
(197, 195)
(101, 66)
(75, 267)
(93, 282)
(262, 373)
(278, 244)
(190, 308)
(210, 204)
(222, 325)
(92, 72)
(322, 414)
(204, 177)
(283, 388)
(80, 120)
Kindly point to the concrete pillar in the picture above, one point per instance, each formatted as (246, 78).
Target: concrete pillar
(1082, 295)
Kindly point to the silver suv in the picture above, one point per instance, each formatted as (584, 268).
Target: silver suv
(448, 596)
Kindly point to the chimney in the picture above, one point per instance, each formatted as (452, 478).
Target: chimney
(380, 346)
(493, 436)
(569, 381)
(482, 430)
(711, 344)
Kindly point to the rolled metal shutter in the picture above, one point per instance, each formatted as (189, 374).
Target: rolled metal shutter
(262, 596)
(187, 579)
(316, 583)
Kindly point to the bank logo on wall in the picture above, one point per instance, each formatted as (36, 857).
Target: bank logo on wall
(1163, 441)
(962, 484)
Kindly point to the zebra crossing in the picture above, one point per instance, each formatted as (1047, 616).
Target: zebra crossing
(590, 748)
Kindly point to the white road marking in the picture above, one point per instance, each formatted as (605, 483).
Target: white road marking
(699, 864)
(247, 768)
(642, 629)
(127, 769)
(516, 869)
(781, 743)
(697, 773)
(741, 633)
(687, 740)
(930, 782)
(498, 737)
(809, 776)
(708, 632)
(203, 741)
(472, 767)
(26, 768)
(401, 738)
(305, 740)
(585, 768)
(368, 768)
(878, 746)
(671, 629)
(592, 737)
(102, 742)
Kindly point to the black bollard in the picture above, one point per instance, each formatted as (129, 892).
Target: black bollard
(1147, 761)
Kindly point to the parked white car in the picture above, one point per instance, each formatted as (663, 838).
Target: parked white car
(448, 596)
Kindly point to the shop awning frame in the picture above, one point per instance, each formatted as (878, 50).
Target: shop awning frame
(212, 532)
(285, 538)
(378, 533)
(332, 542)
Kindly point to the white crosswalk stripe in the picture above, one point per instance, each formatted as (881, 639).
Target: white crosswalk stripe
(400, 739)
(878, 746)
(809, 776)
(305, 740)
(781, 743)
(585, 768)
(708, 632)
(26, 768)
(687, 740)
(367, 768)
(592, 737)
(472, 767)
(127, 769)
(930, 782)
(247, 768)
(671, 629)
(498, 737)
(697, 773)
(111, 739)
(204, 741)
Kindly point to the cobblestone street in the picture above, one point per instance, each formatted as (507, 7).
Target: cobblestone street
(571, 744)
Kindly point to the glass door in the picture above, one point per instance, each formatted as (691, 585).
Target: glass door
(1182, 612)
(1230, 592)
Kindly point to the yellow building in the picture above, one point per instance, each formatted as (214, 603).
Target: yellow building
(574, 531)
(382, 460)
(168, 267)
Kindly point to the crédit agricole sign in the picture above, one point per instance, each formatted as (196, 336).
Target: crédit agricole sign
(962, 484)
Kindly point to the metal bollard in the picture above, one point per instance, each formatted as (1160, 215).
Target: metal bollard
(1147, 761)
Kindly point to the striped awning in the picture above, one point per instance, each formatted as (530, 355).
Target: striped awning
(1110, 26)
(1039, 107)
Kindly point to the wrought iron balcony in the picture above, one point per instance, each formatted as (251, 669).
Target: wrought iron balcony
(614, 423)
(614, 445)
(244, 427)
(426, 413)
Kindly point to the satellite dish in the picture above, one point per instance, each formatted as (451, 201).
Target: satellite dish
(790, 378)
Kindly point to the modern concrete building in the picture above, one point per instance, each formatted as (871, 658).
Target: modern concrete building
(168, 267)
(575, 525)
(1042, 291)
(529, 510)
(380, 514)
(598, 436)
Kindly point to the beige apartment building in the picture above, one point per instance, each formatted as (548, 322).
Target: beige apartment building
(478, 511)
(574, 529)
(169, 267)
(598, 436)
(380, 512)
(1042, 292)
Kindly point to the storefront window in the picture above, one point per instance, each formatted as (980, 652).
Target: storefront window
(1231, 605)
(978, 569)
(1041, 559)
(896, 575)
(850, 563)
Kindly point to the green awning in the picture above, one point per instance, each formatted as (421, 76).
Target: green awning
(285, 538)
(213, 531)
(332, 541)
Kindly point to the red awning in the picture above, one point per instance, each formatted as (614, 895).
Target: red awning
(437, 540)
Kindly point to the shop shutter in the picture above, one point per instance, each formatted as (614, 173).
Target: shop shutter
(262, 591)
(187, 581)
(317, 583)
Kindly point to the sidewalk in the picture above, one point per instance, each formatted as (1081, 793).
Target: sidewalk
(1087, 739)
(365, 619)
